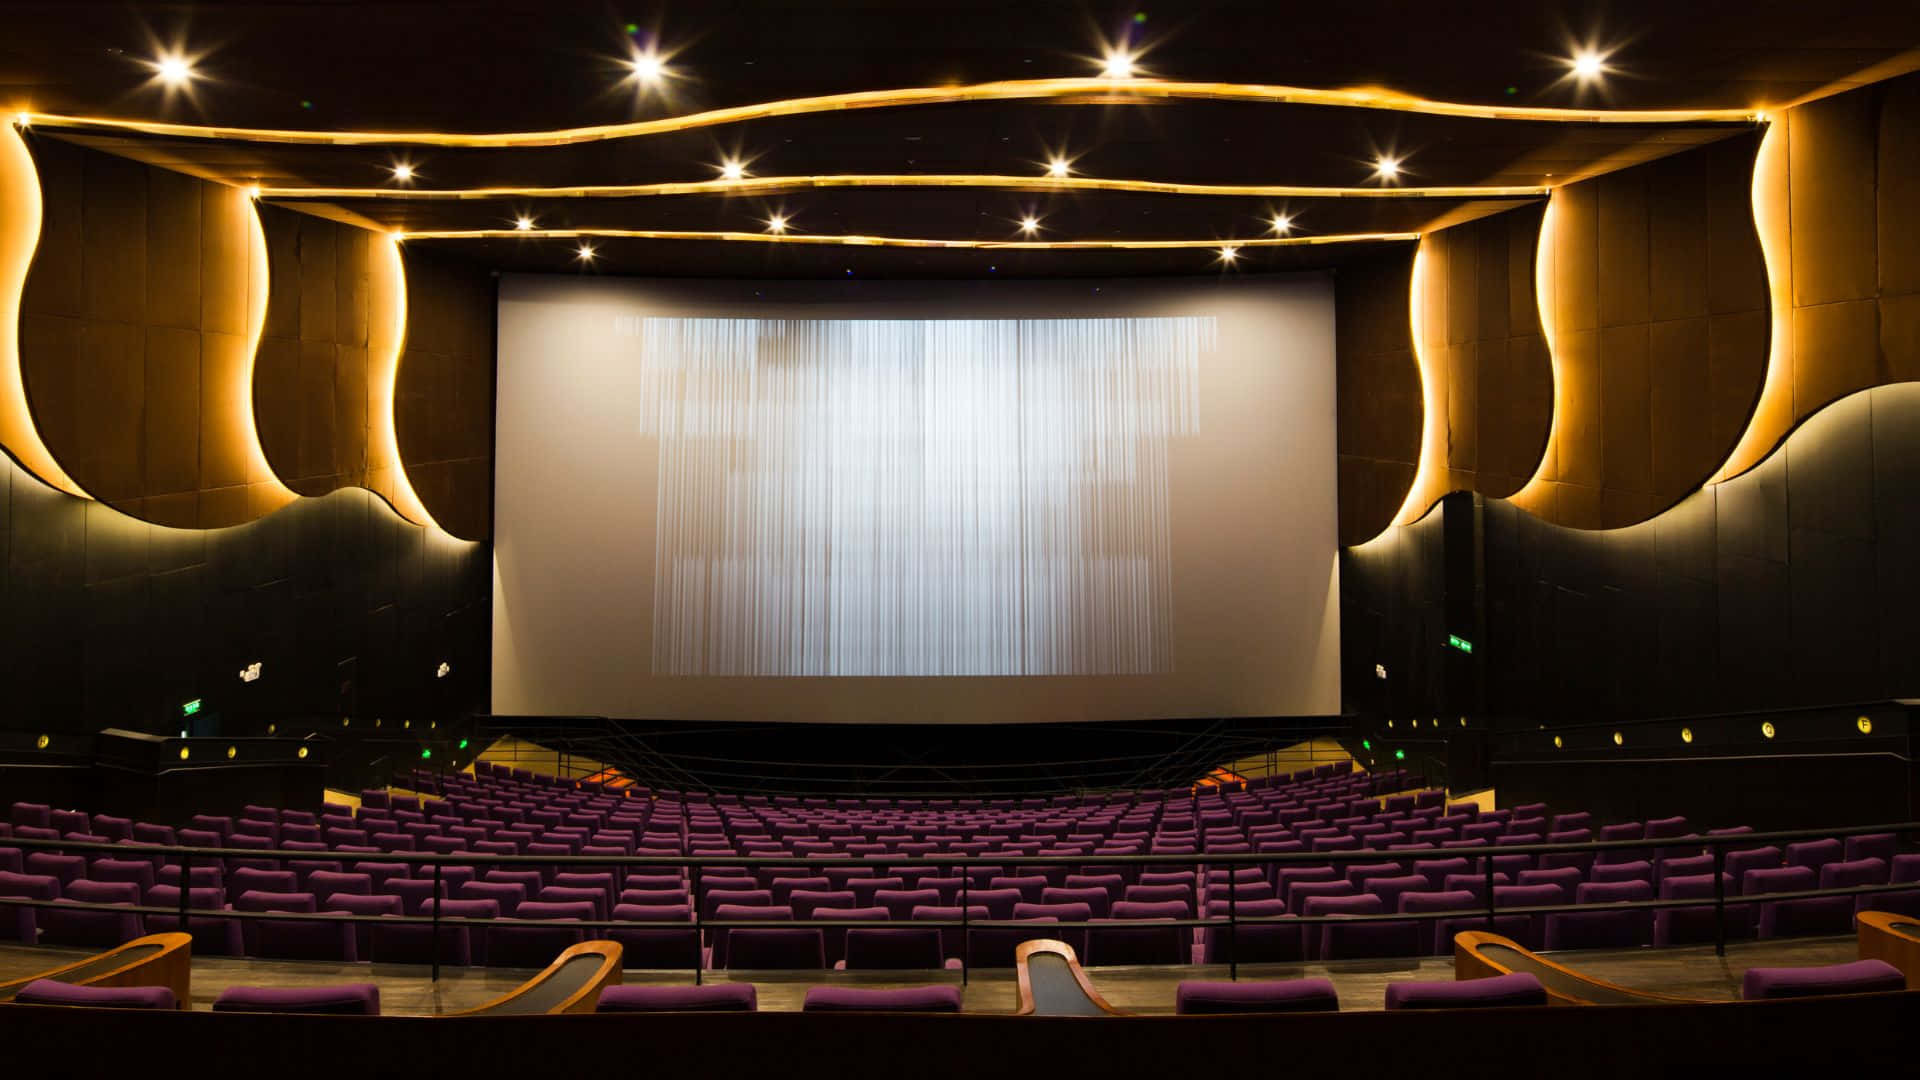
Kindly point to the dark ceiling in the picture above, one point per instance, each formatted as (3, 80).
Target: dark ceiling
(510, 66)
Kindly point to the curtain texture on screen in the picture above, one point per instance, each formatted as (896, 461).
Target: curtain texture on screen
(852, 497)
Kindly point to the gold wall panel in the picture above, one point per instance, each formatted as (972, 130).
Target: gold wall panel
(1377, 394)
(136, 327)
(443, 402)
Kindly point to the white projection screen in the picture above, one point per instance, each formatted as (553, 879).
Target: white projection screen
(915, 501)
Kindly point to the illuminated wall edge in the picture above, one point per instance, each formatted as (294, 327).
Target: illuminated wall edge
(263, 483)
(1772, 417)
(1534, 494)
(386, 346)
(1433, 413)
(20, 218)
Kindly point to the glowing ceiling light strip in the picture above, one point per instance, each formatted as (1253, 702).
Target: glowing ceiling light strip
(20, 217)
(771, 185)
(901, 241)
(1092, 90)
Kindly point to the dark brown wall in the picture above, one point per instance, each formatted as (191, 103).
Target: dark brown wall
(133, 338)
(1483, 355)
(1378, 394)
(1660, 330)
(443, 408)
(311, 380)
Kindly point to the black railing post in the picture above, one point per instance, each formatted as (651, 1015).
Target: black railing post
(439, 901)
(1233, 925)
(186, 888)
(698, 902)
(1486, 861)
(1719, 901)
(966, 933)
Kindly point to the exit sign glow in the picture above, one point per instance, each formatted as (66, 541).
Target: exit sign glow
(190, 707)
(1458, 642)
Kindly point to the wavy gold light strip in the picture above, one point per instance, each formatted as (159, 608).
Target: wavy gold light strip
(20, 216)
(386, 343)
(1096, 90)
(773, 185)
(1773, 412)
(1433, 424)
(1533, 495)
(265, 491)
(902, 241)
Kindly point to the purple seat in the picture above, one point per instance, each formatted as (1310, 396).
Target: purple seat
(1498, 992)
(951, 943)
(1791, 918)
(138, 872)
(998, 902)
(833, 939)
(893, 948)
(993, 946)
(66, 868)
(1637, 870)
(1299, 892)
(508, 894)
(355, 904)
(664, 947)
(96, 929)
(1736, 864)
(412, 943)
(743, 913)
(1417, 903)
(20, 923)
(212, 936)
(1814, 854)
(594, 898)
(901, 902)
(295, 939)
(1866, 846)
(1603, 929)
(1114, 942)
(712, 997)
(534, 946)
(49, 992)
(1696, 925)
(923, 999)
(413, 893)
(1251, 942)
(347, 999)
(1194, 998)
(775, 949)
(1390, 889)
(325, 883)
(1853, 873)
(1858, 977)
(804, 901)
(1321, 935)
(38, 815)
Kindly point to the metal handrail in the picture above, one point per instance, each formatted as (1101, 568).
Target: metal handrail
(1717, 845)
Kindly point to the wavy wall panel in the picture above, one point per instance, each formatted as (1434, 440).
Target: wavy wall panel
(1655, 297)
(1488, 381)
(443, 400)
(1378, 395)
(136, 333)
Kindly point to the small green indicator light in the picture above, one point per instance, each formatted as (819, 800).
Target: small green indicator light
(424, 754)
(1458, 642)
(190, 707)
(1399, 755)
(1366, 744)
(463, 744)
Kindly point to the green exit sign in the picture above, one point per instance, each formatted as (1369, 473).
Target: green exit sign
(190, 707)
(1458, 642)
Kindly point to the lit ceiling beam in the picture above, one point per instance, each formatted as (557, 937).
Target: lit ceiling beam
(904, 241)
(773, 185)
(1099, 91)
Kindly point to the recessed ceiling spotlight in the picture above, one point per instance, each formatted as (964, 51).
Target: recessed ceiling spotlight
(777, 223)
(1056, 167)
(1282, 224)
(1588, 65)
(1388, 168)
(1029, 224)
(585, 253)
(1118, 64)
(174, 69)
(251, 192)
(1229, 253)
(647, 67)
(402, 171)
(732, 169)
(523, 223)
(24, 120)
